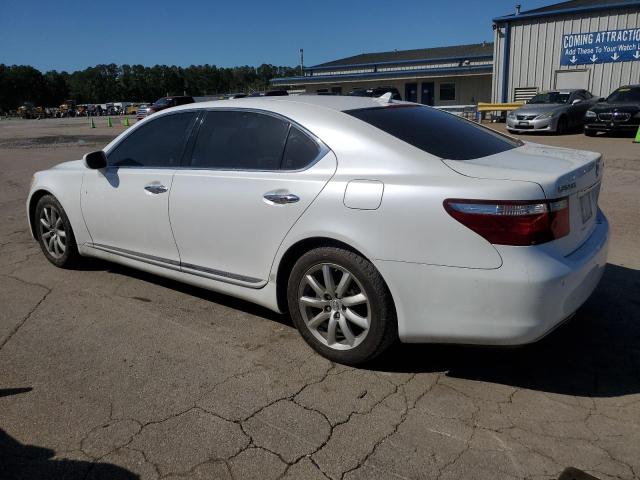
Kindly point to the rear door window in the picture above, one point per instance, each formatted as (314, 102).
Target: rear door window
(239, 140)
(436, 132)
(159, 143)
(300, 152)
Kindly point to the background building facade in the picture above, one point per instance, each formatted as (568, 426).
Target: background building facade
(575, 44)
(454, 75)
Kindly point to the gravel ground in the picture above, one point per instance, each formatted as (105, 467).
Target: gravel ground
(107, 372)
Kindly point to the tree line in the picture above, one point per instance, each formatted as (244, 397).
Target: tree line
(133, 83)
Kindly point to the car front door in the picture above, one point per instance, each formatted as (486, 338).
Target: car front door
(125, 206)
(249, 178)
(577, 110)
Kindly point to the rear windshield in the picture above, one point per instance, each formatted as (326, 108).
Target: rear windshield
(436, 132)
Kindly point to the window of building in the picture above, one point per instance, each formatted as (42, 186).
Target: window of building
(447, 92)
(237, 140)
(159, 143)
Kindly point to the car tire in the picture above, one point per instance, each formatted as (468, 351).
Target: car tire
(590, 133)
(561, 127)
(337, 330)
(54, 233)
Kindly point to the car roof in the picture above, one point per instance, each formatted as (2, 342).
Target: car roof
(564, 90)
(337, 103)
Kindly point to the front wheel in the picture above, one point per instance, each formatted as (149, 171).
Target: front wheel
(341, 306)
(54, 233)
(590, 133)
(563, 126)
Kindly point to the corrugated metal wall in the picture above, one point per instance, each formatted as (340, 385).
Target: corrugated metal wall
(536, 46)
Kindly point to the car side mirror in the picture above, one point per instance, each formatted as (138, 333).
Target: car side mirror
(601, 99)
(577, 100)
(95, 160)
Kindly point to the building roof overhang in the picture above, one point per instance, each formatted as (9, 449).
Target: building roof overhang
(567, 10)
(421, 72)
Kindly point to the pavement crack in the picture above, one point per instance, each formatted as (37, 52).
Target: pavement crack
(28, 315)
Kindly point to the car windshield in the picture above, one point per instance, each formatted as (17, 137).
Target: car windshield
(623, 95)
(550, 97)
(436, 132)
(163, 102)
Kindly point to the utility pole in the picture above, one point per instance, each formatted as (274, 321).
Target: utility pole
(301, 62)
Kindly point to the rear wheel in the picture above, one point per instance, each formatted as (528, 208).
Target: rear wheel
(54, 233)
(341, 305)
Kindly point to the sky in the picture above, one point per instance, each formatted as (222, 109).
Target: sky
(71, 35)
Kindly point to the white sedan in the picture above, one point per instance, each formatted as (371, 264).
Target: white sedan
(368, 220)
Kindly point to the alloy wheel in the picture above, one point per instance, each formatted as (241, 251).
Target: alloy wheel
(334, 306)
(52, 232)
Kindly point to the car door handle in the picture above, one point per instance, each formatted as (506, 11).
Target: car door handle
(155, 188)
(281, 198)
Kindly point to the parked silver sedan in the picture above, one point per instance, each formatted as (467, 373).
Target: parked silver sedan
(552, 111)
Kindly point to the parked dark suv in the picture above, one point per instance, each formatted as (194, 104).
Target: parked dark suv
(168, 102)
(619, 112)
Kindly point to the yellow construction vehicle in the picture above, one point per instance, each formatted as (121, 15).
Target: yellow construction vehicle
(68, 108)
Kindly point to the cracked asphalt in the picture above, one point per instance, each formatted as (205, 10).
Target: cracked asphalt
(106, 372)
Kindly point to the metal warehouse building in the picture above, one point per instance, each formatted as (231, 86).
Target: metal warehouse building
(452, 75)
(591, 44)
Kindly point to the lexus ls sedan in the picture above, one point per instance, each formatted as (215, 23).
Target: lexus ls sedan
(555, 111)
(367, 219)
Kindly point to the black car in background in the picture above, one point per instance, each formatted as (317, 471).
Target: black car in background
(619, 112)
(375, 92)
(168, 102)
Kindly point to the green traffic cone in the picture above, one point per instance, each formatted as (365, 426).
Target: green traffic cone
(126, 121)
(637, 139)
(109, 124)
(93, 124)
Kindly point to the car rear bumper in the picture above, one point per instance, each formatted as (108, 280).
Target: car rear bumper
(520, 302)
(539, 125)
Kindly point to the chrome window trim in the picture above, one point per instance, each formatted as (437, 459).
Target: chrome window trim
(191, 269)
(323, 149)
(133, 129)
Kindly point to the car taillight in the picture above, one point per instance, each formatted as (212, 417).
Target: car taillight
(513, 222)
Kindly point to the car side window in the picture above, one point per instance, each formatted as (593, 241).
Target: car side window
(159, 143)
(300, 150)
(239, 140)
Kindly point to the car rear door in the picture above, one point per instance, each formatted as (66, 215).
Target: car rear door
(126, 205)
(249, 177)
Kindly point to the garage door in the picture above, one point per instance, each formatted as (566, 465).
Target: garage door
(572, 79)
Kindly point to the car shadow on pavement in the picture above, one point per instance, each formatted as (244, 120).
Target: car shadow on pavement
(19, 461)
(595, 354)
(208, 295)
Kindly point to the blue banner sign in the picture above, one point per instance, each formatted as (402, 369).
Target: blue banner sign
(601, 47)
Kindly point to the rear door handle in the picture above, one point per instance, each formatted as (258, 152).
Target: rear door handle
(155, 188)
(281, 198)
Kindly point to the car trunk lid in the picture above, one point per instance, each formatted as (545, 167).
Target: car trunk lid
(560, 172)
